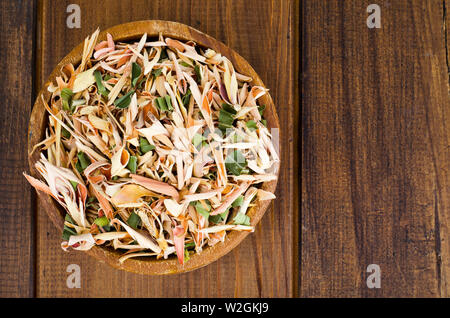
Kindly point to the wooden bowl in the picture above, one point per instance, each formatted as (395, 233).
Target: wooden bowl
(39, 119)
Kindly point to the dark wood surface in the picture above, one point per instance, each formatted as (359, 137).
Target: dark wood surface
(17, 248)
(375, 149)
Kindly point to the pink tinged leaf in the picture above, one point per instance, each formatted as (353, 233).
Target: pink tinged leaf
(175, 44)
(102, 52)
(108, 68)
(205, 107)
(129, 194)
(178, 239)
(82, 194)
(156, 186)
(258, 91)
(38, 185)
(206, 112)
(231, 198)
(104, 204)
(223, 93)
(94, 166)
(110, 41)
(101, 45)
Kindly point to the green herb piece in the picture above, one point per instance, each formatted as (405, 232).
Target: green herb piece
(238, 201)
(144, 145)
(201, 209)
(189, 245)
(66, 134)
(235, 162)
(124, 101)
(261, 109)
(228, 108)
(103, 221)
(218, 217)
(90, 201)
(164, 103)
(83, 162)
(241, 219)
(251, 124)
(66, 97)
(161, 104)
(107, 77)
(100, 88)
(74, 185)
(184, 64)
(264, 122)
(156, 72)
(186, 98)
(134, 220)
(78, 166)
(168, 102)
(163, 55)
(69, 219)
(141, 83)
(226, 116)
(135, 73)
(186, 255)
(198, 74)
(115, 178)
(68, 231)
(225, 120)
(132, 164)
(197, 140)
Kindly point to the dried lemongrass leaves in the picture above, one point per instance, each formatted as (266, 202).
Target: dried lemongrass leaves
(154, 148)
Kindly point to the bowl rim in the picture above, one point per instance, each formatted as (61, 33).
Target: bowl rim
(38, 122)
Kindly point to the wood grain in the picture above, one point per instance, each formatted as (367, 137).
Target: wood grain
(375, 150)
(262, 265)
(446, 20)
(16, 90)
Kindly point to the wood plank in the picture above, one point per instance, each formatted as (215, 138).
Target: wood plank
(296, 174)
(375, 155)
(16, 213)
(447, 35)
(262, 265)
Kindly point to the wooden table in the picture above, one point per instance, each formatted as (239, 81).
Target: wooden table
(374, 149)
(36, 37)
